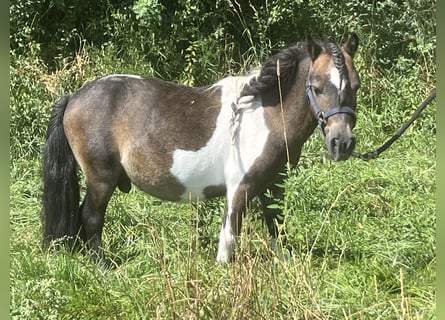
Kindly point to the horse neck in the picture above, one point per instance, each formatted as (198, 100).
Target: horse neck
(299, 121)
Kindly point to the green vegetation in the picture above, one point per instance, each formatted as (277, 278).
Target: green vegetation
(363, 233)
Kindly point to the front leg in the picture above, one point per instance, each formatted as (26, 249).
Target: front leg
(236, 208)
(273, 216)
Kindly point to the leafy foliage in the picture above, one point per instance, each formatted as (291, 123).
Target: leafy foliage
(164, 31)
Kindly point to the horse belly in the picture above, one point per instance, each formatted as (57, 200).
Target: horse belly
(201, 172)
(177, 175)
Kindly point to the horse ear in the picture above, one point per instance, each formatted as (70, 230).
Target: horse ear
(313, 49)
(351, 44)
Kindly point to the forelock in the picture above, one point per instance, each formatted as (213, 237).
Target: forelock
(337, 56)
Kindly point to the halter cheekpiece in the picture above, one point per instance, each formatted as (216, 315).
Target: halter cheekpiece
(322, 116)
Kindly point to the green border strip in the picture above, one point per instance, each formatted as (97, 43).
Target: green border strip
(4, 162)
(440, 168)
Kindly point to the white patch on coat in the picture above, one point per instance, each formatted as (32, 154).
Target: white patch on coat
(246, 146)
(334, 77)
(219, 162)
(204, 167)
(119, 76)
(223, 160)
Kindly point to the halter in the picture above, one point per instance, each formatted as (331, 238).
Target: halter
(322, 116)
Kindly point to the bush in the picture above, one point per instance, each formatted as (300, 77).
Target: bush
(56, 47)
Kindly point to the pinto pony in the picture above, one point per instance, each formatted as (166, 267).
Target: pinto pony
(181, 143)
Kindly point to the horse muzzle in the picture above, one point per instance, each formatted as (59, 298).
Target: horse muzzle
(339, 140)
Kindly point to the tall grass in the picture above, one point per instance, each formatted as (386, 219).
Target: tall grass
(363, 240)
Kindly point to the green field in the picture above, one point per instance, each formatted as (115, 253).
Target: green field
(363, 233)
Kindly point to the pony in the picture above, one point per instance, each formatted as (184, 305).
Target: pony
(181, 143)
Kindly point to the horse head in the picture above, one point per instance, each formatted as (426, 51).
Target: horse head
(331, 88)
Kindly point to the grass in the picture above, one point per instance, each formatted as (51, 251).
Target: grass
(363, 233)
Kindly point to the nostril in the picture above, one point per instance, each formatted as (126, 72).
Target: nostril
(351, 145)
(334, 144)
(341, 147)
(344, 146)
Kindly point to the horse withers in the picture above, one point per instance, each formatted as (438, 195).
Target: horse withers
(181, 143)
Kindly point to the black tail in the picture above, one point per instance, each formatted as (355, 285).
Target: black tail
(60, 182)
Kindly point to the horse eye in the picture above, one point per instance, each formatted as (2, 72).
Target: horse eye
(317, 90)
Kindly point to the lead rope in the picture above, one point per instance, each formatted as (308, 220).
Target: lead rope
(374, 154)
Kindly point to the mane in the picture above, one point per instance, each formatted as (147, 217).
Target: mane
(267, 79)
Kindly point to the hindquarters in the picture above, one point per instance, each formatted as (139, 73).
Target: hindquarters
(89, 128)
(68, 144)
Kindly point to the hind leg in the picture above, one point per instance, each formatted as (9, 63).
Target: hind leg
(92, 215)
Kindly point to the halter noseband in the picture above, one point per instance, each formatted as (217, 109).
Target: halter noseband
(322, 116)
